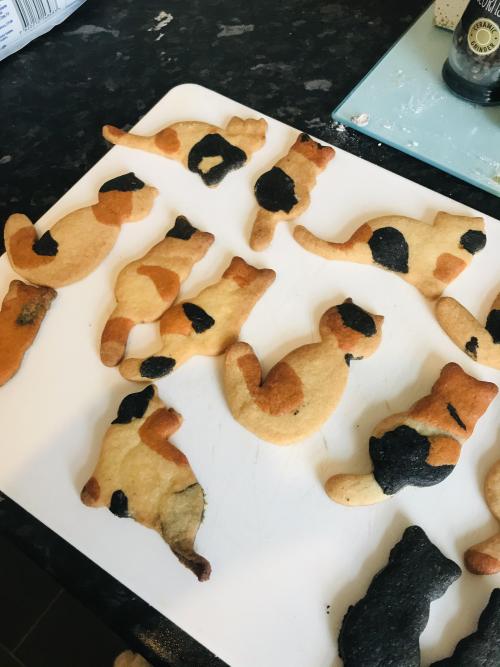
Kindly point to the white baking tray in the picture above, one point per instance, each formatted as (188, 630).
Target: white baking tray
(281, 551)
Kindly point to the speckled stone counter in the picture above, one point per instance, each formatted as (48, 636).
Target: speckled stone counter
(294, 60)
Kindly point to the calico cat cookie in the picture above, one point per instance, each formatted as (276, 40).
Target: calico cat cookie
(482, 647)
(205, 325)
(481, 343)
(77, 244)
(302, 390)
(141, 475)
(284, 192)
(484, 558)
(383, 629)
(419, 447)
(22, 313)
(204, 149)
(427, 256)
(146, 287)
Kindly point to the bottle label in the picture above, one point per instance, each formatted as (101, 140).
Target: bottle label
(483, 37)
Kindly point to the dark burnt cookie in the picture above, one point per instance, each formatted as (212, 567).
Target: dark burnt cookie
(383, 629)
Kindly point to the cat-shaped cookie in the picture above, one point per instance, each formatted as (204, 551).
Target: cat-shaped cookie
(484, 558)
(147, 287)
(202, 148)
(419, 447)
(284, 192)
(205, 325)
(303, 389)
(23, 310)
(75, 245)
(141, 475)
(481, 343)
(427, 256)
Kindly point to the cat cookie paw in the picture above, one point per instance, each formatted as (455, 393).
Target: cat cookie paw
(419, 447)
(21, 316)
(302, 390)
(484, 558)
(142, 475)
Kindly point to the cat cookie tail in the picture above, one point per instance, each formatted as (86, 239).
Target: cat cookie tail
(120, 138)
(152, 368)
(114, 339)
(356, 246)
(181, 516)
(355, 490)
(484, 558)
(263, 230)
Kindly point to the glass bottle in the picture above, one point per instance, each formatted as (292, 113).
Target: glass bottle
(472, 69)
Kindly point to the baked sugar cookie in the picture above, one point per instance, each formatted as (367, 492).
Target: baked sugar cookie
(284, 192)
(427, 256)
(481, 343)
(484, 558)
(303, 389)
(77, 244)
(482, 647)
(22, 313)
(141, 475)
(205, 325)
(202, 148)
(383, 629)
(419, 447)
(146, 287)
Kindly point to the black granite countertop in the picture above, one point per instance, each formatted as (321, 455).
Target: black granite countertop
(294, 60)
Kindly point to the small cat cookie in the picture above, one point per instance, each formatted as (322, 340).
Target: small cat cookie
(427, 256)
(383, 629)
(205, 325)
(303, 389)
(481, 343)
(146, 287)
(202, 148)
(22, 313)
(284, 192)
(77, 244)
(484, 558)
(419, 447)
(141, 475)
(482, 647)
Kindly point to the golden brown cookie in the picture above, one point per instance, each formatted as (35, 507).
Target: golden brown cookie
(148, 286)
(419, 447)
(77, 244)
(481, 343)
(141, 475)
(484, 558)
(23, 310)
(284, 192)
(202, 148)
(129, 659)
(427, 256)
(205, 325)
(303, 389)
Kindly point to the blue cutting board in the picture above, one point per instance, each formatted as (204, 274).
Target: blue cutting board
(410, 108)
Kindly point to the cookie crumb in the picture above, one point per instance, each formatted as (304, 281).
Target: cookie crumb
(361, 119)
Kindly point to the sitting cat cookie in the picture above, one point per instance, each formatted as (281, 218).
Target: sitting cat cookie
(141, 475)
(427, 256)
(75, 245)
(484, 558)
(303, 389)
(204, 149)
(419, 447)
(205, 325)
(482, 647)
(284, 192)
(481, 343)
(22, 313)
(383, 629)
(146, 287)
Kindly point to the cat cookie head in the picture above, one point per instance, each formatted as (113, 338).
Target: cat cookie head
(357, 332)
(318, 154)
(124, 198)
